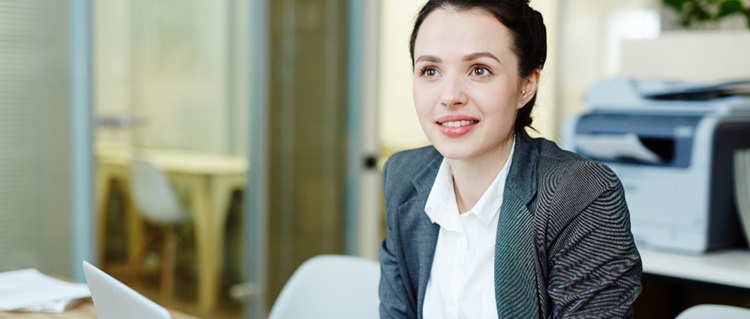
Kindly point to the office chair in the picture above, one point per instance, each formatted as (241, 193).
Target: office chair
(331, 287)
(158, 204)
(711, 311)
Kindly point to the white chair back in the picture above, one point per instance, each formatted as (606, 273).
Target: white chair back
(153, 194)
(331, 287)
(710, 311)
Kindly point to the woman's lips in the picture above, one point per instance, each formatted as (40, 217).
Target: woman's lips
(456, 126)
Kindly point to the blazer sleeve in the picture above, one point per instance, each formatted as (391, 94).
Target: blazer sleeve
(394, 300)
(594, 265)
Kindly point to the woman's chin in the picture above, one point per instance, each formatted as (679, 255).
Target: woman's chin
(454, 153)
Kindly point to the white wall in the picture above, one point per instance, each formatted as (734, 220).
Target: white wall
(546, 109)
(399, 127)
(179, 67)
(703, 56)
(590, 40)
(112, 41)
(180, 74)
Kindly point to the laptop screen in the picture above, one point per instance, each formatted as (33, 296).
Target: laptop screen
(115, 300)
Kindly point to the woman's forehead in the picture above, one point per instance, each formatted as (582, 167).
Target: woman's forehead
(451, 31)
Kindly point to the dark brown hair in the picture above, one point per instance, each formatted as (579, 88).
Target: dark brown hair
(529, 39)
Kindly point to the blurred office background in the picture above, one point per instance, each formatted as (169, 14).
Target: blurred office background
(268, 119)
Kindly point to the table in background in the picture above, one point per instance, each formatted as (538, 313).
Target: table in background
(209, 180)
(673, 282)
(730, 267)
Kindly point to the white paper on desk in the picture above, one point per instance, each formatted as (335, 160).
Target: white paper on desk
(615, 146)
(30, 289)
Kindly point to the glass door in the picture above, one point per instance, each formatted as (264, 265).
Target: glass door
(170, 86)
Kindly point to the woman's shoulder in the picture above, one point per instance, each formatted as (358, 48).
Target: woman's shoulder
(563, 175)
(570, 168)
(569, 184)
(411, 160)
(404, 168)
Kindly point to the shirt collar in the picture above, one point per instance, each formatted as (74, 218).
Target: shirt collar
(441, 205)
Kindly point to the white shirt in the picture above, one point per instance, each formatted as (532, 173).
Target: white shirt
(462, 280)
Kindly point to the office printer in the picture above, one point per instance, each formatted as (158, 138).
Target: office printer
(671, 144)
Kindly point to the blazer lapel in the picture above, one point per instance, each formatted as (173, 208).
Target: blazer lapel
(515, 256)
(420, 230)
(419, 244)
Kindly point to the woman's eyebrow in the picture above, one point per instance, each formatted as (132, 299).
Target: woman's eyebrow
(428, 58)
(478, 55)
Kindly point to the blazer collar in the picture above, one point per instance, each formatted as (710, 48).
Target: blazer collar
(514, 262)
(522, 181)
(515, 257)
(424, 179)
(424, 232)
(521, 177)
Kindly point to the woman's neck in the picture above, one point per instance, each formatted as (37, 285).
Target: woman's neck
(472, 178)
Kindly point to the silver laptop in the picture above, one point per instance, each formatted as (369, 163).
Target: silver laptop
(115, 300)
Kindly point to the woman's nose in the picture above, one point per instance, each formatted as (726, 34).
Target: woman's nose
(453, 94)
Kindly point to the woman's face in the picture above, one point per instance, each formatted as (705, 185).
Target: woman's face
(467, 90)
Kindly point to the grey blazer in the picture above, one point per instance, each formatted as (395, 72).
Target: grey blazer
(563, 247)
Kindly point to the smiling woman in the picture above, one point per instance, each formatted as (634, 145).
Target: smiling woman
(478, 70)
(488, 222)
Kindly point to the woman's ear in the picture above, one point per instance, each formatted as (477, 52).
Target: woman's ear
(529, 85)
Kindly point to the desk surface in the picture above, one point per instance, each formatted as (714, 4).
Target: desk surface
(84, 310)
(724, 267)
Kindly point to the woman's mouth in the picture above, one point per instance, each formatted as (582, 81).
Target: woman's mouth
(457, 123)
(454, 128)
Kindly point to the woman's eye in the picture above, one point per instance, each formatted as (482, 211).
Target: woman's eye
(480, 71)
(429, 72)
